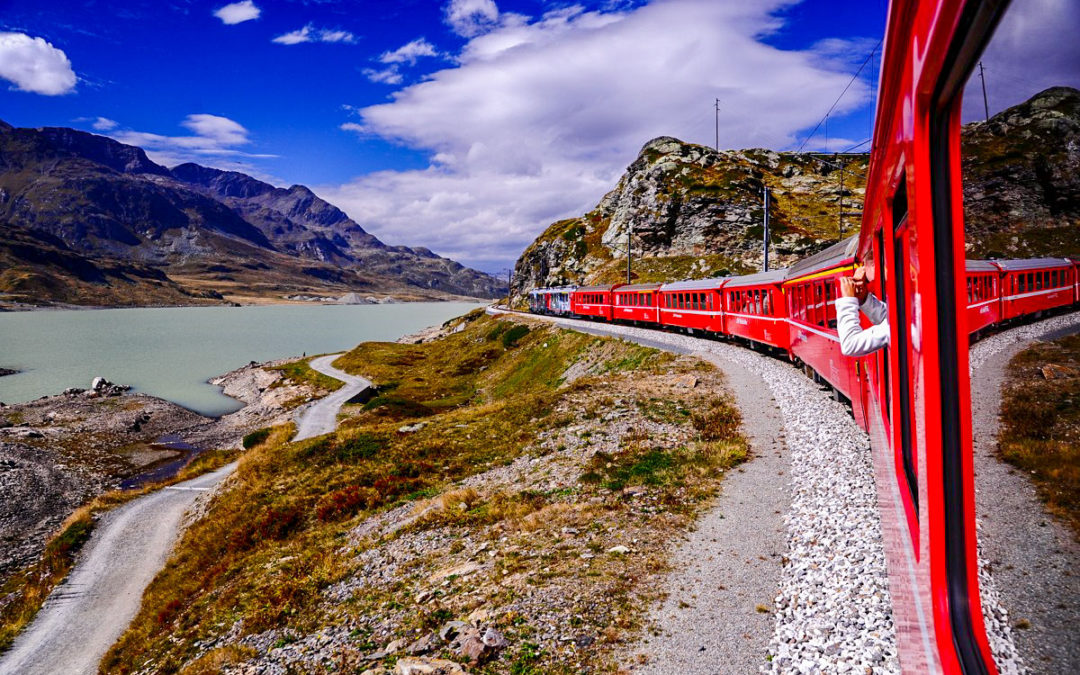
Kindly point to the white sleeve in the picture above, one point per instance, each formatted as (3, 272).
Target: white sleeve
(854, 341)
(874, 309)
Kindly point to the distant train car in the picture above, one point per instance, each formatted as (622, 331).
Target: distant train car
(1036, 285)
(754, 309)
(636, 303)
(551, 301)
(593, 301)
(1076, 279)
(983, 295)
(811, 287)
(695, 306)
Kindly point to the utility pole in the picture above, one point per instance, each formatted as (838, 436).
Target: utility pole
(765, 236)
(826, 133)
(629, 233)
(986, 106)
(840, 216)
(717, 107)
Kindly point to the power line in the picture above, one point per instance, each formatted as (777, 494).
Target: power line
(833, 106)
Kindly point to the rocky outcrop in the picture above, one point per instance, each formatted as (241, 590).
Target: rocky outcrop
(693, 211)
(1022, 179)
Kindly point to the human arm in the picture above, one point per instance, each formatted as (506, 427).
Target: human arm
(854, 341)
(874, 309)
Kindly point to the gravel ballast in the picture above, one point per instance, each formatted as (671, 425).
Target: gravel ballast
(832, 612)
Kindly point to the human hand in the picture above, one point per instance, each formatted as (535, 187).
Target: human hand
(861, 290)
(847, 287)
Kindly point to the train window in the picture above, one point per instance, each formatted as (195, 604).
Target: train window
(903, 379)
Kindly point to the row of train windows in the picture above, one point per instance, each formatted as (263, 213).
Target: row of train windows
(635, 299)
(1036, 281)
(980, 288)
(704, 301)
(813, 303)
(750, 302)
(592, 298)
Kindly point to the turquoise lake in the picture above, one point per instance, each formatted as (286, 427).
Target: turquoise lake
(172, 352)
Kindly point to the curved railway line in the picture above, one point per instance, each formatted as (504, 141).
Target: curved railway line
(830, 608)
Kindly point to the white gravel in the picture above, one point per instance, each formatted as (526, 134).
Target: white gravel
(833, 610)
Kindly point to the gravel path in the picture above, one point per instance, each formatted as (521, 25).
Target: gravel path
(1034, 558)
(321, 417)
(86, 613)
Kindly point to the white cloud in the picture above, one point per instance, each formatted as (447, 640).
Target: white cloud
(34, 65)
(469, 18)
(238, 12)
(353, 126)
(311, 34)
(391, 75)
(410, 52)
(1035, 47)
(214, 139)
(539, 118)
(104, 124)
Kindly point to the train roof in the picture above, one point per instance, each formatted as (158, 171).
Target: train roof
(981, 266)
(759, 279)
(597, 289)
(1032, 264)
(833, 256)
(559, 289)
(696, 284)
(640, 287)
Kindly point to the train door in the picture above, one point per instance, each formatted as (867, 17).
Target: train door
(907, 350)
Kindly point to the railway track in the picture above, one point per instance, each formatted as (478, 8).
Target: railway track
(832, 610)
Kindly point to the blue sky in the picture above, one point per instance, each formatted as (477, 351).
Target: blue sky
(462, 125)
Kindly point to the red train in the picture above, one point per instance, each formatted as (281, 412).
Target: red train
(913, 397)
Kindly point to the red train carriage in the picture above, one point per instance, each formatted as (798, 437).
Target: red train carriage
(1036, 285)
(754, 309)
(693, 305)
(919, 404)
(593, 301)
(811, 286)
(1076, 279)
(983, 295)
(637, 303)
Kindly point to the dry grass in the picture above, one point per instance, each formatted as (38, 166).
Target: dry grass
(275, 543)
(301, 372)
(1040, 423)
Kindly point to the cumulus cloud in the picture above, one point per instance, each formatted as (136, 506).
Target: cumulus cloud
(104, 124)
(238, 12)
(353, 126)
(311, 34)
(1034, 47)
(469, 18)
(391, 75)
(34, 65)
(539, 117)
(410, 52)
(213, 140)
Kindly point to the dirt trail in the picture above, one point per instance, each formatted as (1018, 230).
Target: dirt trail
(321, 418)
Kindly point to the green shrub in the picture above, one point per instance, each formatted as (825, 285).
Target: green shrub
(256, 438)
(510, 338)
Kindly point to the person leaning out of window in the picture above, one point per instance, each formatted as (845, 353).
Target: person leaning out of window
(855, 295)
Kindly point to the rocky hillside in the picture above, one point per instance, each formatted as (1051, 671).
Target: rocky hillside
(1022, 179)
(695, 212)
(72, 202)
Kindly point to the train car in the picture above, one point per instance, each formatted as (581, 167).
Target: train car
(983, 295)
(811, 287)
(754, 309)
(636, 303)
(693, 306)
(551, 301)
(1076, 279)
(1035, 285)
(593, 302)
(917, 397)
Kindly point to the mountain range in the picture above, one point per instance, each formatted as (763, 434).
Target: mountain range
(691, 211)
(85, 219)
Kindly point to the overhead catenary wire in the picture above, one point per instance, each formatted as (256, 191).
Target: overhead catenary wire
(838, 98)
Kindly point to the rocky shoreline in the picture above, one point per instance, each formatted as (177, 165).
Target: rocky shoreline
(59, 452)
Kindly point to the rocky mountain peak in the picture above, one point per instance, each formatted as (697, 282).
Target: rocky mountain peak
(102, 150)
(222, 183)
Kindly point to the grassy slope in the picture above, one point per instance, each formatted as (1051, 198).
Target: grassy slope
(1040, 424)
(275, 545)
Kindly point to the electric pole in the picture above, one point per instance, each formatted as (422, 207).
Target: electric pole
(629, 233)
(717, 145)
(986, 106)
(840, 216)
(765, 236)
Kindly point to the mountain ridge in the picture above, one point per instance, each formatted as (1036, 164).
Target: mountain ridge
(212, 232)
